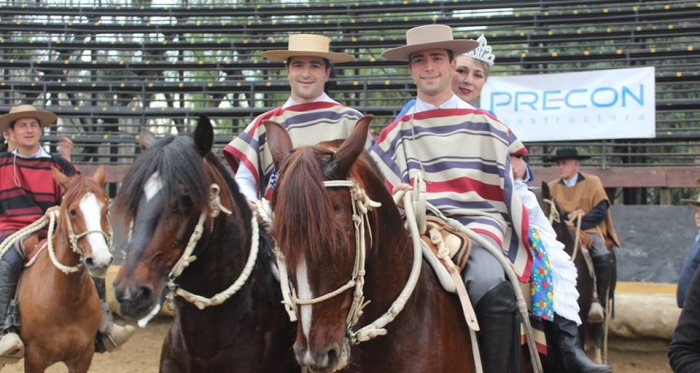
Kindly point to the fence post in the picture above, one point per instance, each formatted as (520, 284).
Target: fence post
(665, 196)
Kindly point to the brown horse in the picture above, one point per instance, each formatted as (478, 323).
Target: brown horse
(191, 231)
(595, 333)
(319, 231)
(57, 298)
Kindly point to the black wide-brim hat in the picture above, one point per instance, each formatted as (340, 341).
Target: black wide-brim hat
(566, 153)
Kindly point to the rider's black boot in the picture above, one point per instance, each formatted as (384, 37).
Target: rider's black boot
(11, 347)
(603, 273)
(496, 315)
(574, 358)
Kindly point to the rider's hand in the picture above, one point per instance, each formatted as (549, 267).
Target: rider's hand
(519, 167)
(397, 191)
(253, 206)
(573, 216)
(401, 187)
(51, 209)
(65, 148)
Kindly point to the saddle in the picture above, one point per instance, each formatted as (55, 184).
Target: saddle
(440, 236)
(586, 241)
(31, 247)
(584, 238)
(447, 251)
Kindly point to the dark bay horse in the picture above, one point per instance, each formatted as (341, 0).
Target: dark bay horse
(319, 230)
(191, 230)
(595, 333)
(57, 298)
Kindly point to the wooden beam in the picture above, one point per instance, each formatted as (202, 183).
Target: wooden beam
(620, 177)
(632, 177)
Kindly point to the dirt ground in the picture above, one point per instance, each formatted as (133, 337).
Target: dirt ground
(142, 352)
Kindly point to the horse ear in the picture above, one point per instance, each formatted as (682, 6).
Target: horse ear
(352, 146)
(279, 142)
(99, 175)
(204, 135)
(146, 138)
(60, 178)
(545, 190)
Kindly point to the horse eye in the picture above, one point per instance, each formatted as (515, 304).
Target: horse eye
(72, 212)
(184, 203)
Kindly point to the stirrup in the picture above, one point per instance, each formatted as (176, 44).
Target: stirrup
(596, 313)
(117, 337)
(11, 349)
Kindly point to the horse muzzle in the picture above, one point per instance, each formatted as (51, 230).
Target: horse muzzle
(329, 358)
(97, 269)
(135, 301)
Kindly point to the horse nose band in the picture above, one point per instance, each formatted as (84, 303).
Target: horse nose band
(73, 243)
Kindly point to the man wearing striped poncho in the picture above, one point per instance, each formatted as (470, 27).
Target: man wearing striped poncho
(464, 156)
(28, 191)
(309, 115)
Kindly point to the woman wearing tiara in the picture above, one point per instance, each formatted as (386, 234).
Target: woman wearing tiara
(468, 80)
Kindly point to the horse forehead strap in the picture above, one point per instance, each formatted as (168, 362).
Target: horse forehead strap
(363, 202)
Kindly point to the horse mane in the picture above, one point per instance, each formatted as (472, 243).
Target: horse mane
(174, 158)
(236, 195)
(301, 197)
(267, 256)
(564, 235)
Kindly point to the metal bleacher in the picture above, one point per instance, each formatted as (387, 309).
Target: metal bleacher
(110, 67)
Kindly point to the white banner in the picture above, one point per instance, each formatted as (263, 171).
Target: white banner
(591, 105)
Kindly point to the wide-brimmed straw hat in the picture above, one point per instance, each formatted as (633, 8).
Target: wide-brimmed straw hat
(695, 202)
(566, 153)
(429, 37)
(27, 111)
(308, 45)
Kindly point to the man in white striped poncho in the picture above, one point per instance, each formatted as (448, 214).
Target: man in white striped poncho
(309, 115)
(464, 156)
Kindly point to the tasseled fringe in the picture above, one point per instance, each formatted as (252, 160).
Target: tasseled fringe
(564, 282)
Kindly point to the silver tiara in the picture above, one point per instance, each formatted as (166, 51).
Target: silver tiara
(482, 52)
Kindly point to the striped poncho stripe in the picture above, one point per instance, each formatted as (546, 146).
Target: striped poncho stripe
(28, 189)
(464, 155)
(307, 124)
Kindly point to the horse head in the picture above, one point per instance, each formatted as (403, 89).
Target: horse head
(84, 216)
(164, 205)
(318, 205)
